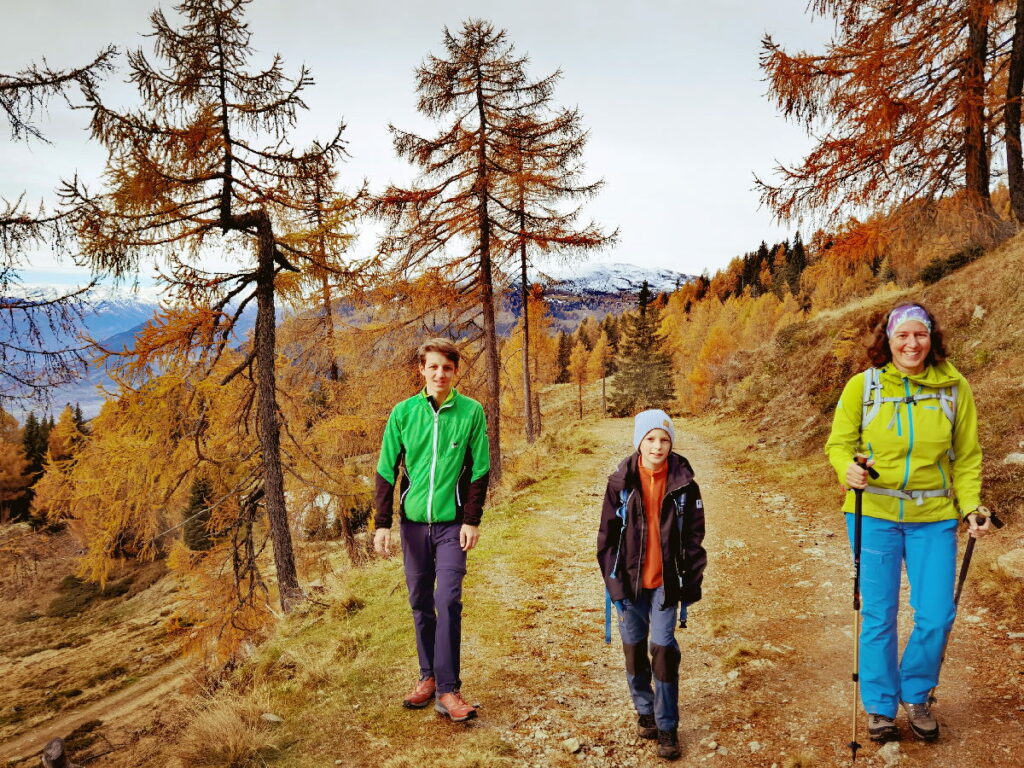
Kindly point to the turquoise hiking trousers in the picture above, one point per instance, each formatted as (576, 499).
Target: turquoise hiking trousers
(929, 551)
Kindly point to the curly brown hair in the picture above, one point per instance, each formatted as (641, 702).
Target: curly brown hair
(878, 348)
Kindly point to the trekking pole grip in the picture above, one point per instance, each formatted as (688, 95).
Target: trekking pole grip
(863, 462)
(996, 522)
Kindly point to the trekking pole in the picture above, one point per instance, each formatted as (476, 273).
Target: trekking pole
(964, 566)
(858, 514)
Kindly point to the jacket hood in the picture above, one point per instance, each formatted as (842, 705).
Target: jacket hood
(626, 475)
(935, 376)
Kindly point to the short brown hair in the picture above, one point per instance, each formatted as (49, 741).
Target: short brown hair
(878, 348)
(441, 346)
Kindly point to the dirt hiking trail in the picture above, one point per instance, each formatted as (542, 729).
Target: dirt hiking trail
(766, 660)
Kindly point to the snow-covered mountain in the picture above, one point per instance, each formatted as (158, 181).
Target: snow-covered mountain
(114, 315)
(590, 278)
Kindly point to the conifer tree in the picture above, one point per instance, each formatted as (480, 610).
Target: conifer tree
(481, 92)
(544, 165)
(37, 350)
(578, 372)
(644, 365)
(14, 476)
(599, 366)
(903, 103)
(206, 155)
(564, 355)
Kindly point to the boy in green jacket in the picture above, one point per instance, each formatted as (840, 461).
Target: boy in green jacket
(438, 438)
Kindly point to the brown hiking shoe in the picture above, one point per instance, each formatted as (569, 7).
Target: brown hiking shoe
(421, 694)
(454, 706)
(646, 727)
(668, 744)
(922, 723)
(882, 729)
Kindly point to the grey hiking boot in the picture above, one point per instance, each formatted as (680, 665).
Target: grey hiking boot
(645, 727)
(922, 723)
(882, 729)
(668, 744)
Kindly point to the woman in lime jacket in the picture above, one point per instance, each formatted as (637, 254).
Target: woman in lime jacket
(913, 417)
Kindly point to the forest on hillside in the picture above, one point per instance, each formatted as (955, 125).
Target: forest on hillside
(219, 453)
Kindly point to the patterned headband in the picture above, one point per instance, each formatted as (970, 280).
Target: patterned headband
(904, 314)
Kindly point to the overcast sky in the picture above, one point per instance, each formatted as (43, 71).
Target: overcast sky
(670, 91)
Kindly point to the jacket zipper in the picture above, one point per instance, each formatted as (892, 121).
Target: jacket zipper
(643, 532)
(433, 464)
(910, 442)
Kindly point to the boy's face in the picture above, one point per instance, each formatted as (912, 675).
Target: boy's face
(655, 448)
(438, 374)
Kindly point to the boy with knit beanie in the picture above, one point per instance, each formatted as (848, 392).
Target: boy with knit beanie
(653, 563)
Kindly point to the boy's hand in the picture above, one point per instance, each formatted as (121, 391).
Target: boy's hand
(382, 541)
(469, 536)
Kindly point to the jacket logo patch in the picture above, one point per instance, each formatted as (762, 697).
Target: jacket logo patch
(455, 445)
(700, 504)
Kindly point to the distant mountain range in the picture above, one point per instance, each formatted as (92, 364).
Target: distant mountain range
(575, 291)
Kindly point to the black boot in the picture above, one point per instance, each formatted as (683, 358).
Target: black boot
(668, 744)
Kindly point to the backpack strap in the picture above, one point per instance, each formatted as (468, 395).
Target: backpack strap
(872, 400)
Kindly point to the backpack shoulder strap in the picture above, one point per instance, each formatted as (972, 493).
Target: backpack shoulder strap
(872, 400)
(623, 501)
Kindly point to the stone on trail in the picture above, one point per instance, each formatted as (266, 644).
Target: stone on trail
(270, 717)
(755, 746)
(1014, 458)
(572, 746)
(1012, 563)
(890, 753)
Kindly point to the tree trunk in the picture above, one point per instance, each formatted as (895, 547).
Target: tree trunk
(1014, 86)
(531, 434)
(268, 427)
(332, 371)
(492, 363)
(580, 397)
(536, 411)
(975, 144)
(604, 399)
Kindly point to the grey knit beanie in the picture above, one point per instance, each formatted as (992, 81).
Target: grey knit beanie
(646, 421)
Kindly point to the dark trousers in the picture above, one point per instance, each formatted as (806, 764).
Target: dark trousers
(434, 567)
(641, 621)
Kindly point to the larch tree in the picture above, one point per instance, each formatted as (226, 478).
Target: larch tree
(643, 376)
(578, 372)
(599, 366)
(451, 219)
(38, 350)
(14, 475)
(899, 105)
(204, 162)
(543, 169)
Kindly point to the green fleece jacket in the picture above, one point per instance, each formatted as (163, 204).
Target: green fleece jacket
(439, 458)
(909, 444)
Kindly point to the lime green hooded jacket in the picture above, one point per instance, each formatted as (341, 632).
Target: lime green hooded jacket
(909, 444)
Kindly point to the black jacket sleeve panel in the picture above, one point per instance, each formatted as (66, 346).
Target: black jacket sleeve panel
(384, 495)
(383, 502)
(609, 538)
(476, 494)
(693, 557)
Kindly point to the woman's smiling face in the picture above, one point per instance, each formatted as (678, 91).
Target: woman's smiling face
(910, 345)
